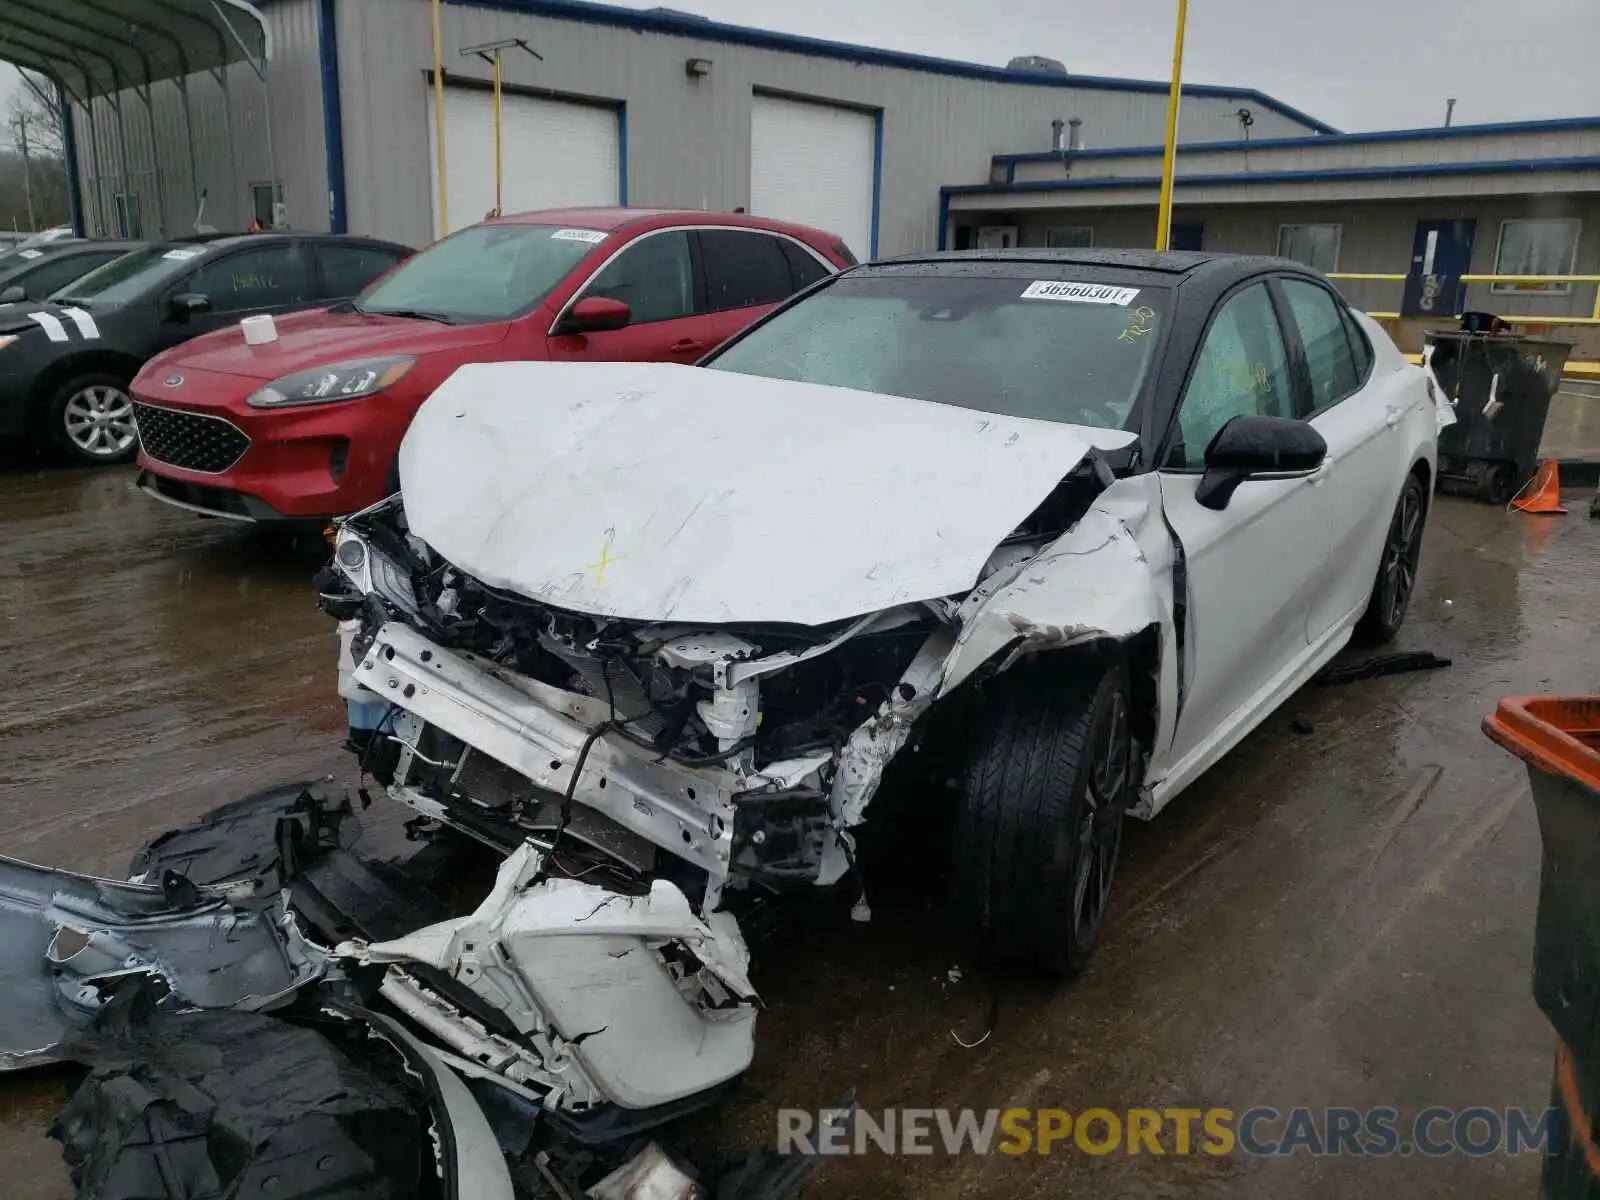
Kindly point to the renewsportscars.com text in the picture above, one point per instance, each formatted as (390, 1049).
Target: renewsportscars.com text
(1259, 1132)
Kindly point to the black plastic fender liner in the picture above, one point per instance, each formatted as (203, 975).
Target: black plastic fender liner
(203, 1105)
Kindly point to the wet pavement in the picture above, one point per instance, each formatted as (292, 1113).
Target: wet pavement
(1339, 917)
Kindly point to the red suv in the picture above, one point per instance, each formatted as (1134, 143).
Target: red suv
(309, 425)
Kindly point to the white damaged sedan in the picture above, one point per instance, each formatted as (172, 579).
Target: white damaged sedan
(1075, 522)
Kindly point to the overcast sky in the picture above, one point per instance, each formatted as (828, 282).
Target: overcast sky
(1356, 64)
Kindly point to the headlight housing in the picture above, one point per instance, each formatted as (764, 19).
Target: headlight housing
(340, 381)
(371, 570)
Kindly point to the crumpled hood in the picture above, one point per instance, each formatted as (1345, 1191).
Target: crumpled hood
(320, 338)
(660, 492)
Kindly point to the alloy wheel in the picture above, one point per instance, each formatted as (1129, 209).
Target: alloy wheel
(1400, 556)
(99, 421)
(1100, 828)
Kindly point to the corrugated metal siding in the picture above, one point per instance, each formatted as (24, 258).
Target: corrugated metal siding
(689, 140)
(229, 141)
(1376, 239)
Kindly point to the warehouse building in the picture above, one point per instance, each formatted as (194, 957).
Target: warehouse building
(1519, 198)
(602, 105)
(320, 115)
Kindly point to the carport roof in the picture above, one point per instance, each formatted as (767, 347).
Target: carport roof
(92, 47)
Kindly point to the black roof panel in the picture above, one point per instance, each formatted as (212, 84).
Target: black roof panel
(1174, 261)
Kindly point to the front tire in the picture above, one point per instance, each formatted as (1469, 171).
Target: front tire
(1038, 826)
(1397, 568)
(89, 420)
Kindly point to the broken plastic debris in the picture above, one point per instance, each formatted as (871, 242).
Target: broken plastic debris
(953, 975)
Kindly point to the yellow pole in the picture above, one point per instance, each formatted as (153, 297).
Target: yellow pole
(1169, 159)
(438, 116)
(499, 204)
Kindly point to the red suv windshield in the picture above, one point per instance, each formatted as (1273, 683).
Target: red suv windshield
(485, 273)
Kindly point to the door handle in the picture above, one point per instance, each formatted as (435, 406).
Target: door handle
(1394, 417)
(686, 346)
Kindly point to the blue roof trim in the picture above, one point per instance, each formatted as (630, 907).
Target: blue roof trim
(1510, 166)
(742, 35)
(1440, 133)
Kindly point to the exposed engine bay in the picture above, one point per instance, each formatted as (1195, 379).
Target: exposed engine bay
(730, 760)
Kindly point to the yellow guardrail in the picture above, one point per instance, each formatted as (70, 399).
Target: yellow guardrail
(1586, 371)
(1523, 319)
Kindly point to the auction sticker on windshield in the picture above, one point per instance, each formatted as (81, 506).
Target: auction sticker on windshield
(593, 236)
(1081, 293)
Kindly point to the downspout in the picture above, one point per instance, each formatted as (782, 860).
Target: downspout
(332, 115)
(69, 151)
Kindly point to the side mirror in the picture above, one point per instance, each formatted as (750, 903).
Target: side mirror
(1257, 448)
(13, 294)
(596, 314)
(188, 304)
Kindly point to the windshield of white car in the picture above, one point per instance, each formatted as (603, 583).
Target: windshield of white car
(133, 276)
(1074, 352)
(485, 273)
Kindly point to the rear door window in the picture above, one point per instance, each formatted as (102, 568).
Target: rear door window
(347, 269)
(743, 269)
(1327, 345)
(804, 267)
(258, 278)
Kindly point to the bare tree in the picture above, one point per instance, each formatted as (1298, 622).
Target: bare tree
(36, 111)
(35, 127)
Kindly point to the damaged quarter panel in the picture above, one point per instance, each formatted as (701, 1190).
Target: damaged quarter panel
(67, 940)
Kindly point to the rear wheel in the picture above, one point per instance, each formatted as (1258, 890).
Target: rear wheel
(1038, 826)
(90, 420)
(1397, 569)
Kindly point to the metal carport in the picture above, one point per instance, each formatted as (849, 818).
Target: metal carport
(113, 49)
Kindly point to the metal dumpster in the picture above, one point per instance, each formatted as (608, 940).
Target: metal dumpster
(1558, 737)
(1500, 385)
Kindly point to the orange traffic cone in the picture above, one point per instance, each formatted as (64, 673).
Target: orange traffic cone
(1546, 491)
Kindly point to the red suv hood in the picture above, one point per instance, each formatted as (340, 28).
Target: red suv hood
(315, 339)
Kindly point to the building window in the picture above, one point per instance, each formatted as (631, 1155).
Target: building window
(261, 205)
(130, 221)
(1069, 237)
(1317, 246)
(1545, 246)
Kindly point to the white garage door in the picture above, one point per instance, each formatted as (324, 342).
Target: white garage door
(556, 154)
(813, 163)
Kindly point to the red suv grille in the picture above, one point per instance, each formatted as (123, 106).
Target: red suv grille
(189, 441)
